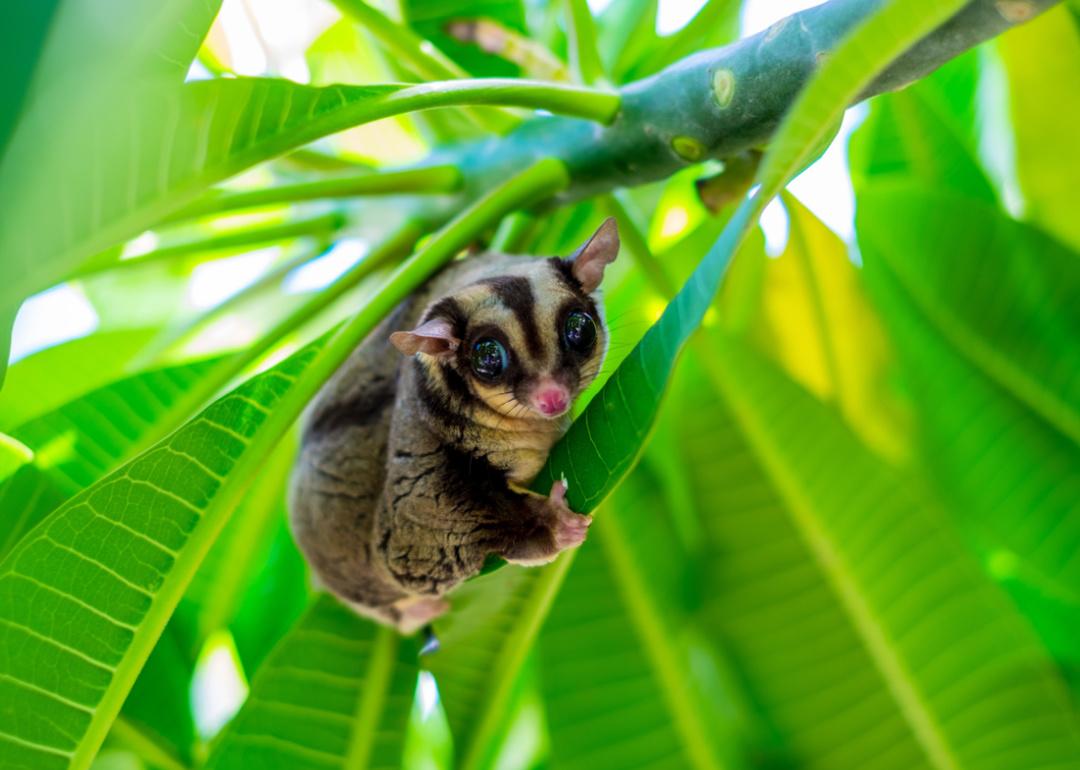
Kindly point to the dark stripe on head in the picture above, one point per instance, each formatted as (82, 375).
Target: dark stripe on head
(516, 293)
(564, 269)
(450, 309)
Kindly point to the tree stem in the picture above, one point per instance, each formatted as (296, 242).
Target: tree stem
(718, 102)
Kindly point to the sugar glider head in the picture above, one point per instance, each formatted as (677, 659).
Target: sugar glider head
(525, 343)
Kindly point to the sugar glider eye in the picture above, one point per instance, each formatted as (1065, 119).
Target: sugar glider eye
(489, 358)
(579, 332)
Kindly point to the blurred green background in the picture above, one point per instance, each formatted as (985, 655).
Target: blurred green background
(852, 539)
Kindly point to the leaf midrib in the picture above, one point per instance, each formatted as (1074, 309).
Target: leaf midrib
(380, 672)
(511, 657)
(1055, 412)
(833, 566)
(654, 633)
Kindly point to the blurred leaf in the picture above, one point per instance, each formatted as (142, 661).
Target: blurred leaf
(1039, 58)
(484, 643)
(35, 386)
(24, 28)
(432, 18)
(344, 53)
(615, 652)
(274, 597)
(983, 310)
(91, 40)
(238, 560)
(90, 51)
(819, 325)
(581, 31)
(13, 455)
(926, 132)
(336, 692)
(896, 581)
(158, 704)
(716, 23)
(626, 30)
(25, 499)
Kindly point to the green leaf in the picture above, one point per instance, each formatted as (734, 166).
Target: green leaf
(86, 438)
(1001, 293)
(484, 643)
(336, 692)
(33, 386)
(626, 31)
(13, 455)
(581, 31)
(114, 561)
(925, 132)
(715, 24)
(432, 19)
(897, 580)
(273, 598)
(983, 310)
(1037, 57)
(158, 705)
(23, 32)
(616, 652)
(118, 184)
(87, 45)
(234, 565)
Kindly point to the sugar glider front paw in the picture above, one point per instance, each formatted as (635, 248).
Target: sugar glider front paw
(569, 528)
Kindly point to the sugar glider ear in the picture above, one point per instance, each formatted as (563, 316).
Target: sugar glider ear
(588, 262)
(434, 337)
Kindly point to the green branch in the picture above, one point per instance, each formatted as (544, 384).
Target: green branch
(432, 179)
(718, 102)
(421, 56)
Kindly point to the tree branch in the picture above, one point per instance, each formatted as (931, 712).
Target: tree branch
(716, 103)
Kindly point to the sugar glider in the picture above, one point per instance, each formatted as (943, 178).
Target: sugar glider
(417, 453)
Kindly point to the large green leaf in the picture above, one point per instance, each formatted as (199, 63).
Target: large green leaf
(85, 595)
(619, 682)
(86, 438)
(855, 579)
(335, 693)
(24, 29)
(927, 132)
(76, 52)
(1038, 57)
(484, 645)
(34, 388)
(984, 311)
(94, 41)
(1001, 293)
(126, 168)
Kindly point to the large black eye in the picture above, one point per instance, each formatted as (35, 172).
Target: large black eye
(579, 331)
(489, 358)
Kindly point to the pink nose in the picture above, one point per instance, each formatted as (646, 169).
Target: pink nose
(552, 400)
